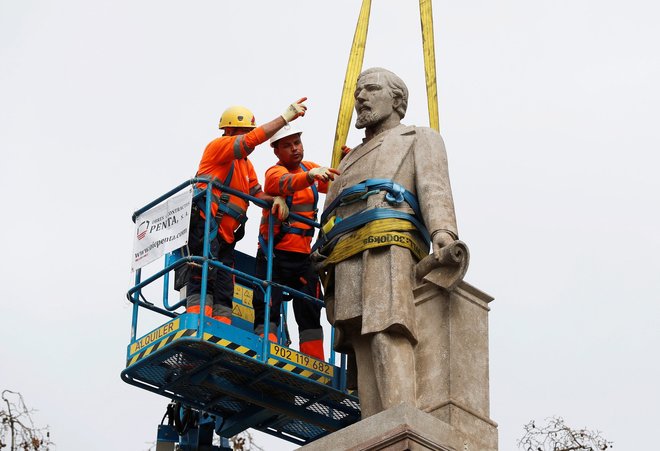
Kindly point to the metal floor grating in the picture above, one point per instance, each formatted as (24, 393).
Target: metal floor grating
(247, 393)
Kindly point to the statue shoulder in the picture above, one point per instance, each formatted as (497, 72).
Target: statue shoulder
(423, 131)
(429, 135)
(420, 132)
(405, 130)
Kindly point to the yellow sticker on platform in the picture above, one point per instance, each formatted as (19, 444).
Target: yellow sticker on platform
(301, 359)
(247, 297)
(243, 312)
(243, 294)
(154, 335)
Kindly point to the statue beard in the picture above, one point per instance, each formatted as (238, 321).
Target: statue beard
(367, 118)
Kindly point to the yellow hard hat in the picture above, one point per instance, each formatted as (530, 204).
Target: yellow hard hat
(237, 116)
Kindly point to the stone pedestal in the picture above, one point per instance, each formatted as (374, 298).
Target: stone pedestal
(401, 428)
(451, 363)
(452, 360)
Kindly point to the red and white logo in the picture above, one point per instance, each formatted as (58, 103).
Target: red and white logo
(142, 229)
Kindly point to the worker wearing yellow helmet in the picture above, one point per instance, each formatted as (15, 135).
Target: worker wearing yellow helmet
(225, 160)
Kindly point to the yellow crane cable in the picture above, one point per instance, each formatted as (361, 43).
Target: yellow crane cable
(355, 60)
(426, 15)
(354, 68)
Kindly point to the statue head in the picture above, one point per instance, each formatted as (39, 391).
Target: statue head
(379, 94)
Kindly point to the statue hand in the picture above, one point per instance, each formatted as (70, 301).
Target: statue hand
(440, 239)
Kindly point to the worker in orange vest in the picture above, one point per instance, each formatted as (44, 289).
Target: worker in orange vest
(225, 160)
(300, 182)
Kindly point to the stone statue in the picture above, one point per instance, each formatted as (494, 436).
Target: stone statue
(369, 295)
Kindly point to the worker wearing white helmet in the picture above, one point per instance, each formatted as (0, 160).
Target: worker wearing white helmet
(299, 182)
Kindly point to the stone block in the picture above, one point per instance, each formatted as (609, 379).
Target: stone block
(401, 428)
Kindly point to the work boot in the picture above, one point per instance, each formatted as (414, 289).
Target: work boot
(311, 343)
(222, 313)
(313, 348)
(272, 336)
(192, 304)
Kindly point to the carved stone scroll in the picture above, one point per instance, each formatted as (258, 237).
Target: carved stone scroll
(448, 270)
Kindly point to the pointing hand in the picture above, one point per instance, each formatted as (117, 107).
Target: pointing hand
(294, 110)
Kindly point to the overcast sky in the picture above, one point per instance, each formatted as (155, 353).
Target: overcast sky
(549, 110)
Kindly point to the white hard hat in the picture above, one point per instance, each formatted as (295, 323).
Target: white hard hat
(287, 130)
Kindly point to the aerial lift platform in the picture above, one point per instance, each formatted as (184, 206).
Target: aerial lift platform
(225, 378)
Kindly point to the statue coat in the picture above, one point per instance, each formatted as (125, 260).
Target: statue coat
(372, 291)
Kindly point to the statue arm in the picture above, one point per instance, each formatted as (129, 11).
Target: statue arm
(433, 188)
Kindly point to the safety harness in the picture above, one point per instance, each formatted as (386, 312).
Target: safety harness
(285, 227)
(222, 201)
(374, 227)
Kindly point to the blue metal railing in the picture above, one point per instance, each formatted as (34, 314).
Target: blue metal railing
(135, 296)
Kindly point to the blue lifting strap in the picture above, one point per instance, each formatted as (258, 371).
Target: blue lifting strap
(396, 194)
(360, 219)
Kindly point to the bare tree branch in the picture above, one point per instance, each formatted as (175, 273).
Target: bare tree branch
(557, 436)
(17, 429)
(244, 442)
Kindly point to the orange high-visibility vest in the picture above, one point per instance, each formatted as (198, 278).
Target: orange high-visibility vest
(282, 182)
(216, 163)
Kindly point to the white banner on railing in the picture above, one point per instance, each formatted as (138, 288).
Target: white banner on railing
(162, 229)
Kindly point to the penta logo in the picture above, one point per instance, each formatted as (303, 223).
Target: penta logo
(142, 229)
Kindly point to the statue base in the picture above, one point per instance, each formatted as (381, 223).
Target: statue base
(401, 428)
(452, 411)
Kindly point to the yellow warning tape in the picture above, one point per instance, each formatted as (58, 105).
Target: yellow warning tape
(299, 371)
(350, 80)
(145, 352)
(382, 232)
(229, 345)
(426, 14)
(154, 335)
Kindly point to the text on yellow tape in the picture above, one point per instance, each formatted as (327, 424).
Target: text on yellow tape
(154, 335)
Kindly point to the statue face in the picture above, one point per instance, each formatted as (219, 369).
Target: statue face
(373, 100)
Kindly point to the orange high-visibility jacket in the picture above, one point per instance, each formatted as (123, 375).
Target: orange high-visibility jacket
(216, 162)
(282, 182)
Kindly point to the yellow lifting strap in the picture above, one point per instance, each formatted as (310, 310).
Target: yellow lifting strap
(354, 68)
(382, 232)
(428, 45)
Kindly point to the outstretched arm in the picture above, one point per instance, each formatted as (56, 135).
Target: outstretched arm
(292, 112)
